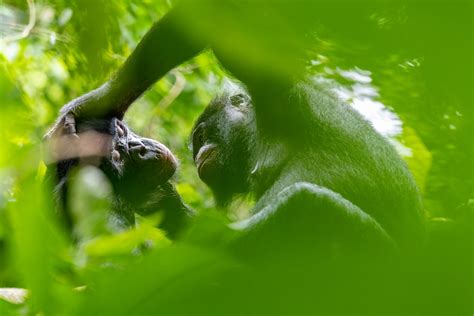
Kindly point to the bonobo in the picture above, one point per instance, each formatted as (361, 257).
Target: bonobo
(292, 143)
(322, 158)
(138, 169)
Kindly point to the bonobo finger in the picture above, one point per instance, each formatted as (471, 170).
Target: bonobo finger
(69, 124)
(61, 139)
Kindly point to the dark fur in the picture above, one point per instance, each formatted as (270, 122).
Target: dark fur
(137, 185)
(321, 141)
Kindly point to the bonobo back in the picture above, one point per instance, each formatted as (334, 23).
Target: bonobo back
(335, 147)
(305, 134)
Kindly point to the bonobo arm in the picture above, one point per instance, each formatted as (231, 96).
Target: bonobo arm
(186, 30)
(165, 46)
(237, 32)
(308, 218)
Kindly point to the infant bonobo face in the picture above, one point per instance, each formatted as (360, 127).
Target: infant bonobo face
(136, 165)
(138, 169)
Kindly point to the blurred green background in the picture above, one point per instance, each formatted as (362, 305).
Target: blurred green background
(416, 88)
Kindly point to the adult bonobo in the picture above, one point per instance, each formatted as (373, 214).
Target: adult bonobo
(138, 169)
(322, 158)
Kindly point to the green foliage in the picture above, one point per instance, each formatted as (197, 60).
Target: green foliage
(76, 45)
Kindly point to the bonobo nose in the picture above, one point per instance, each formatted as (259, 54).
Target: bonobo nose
(154, 154)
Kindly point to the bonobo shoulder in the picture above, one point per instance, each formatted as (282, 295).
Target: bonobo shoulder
(356, 161)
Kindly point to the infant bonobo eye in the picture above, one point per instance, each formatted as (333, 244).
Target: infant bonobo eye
(239, 100)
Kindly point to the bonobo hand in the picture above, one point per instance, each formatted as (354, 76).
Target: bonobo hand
(62, 141)
(83, 106)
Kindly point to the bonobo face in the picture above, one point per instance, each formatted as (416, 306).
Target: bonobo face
(136, 165)
(138, 169)
(221, 139)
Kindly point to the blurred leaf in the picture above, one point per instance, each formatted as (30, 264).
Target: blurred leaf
(90, 197)
(420, 159)
(36, 243)
(126, 242)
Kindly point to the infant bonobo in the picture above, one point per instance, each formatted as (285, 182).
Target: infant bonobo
(138, 168)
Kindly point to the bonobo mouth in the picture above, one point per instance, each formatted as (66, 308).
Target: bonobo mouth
(144, 154)
(205, 160)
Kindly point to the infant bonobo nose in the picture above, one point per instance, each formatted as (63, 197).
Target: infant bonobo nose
(153, 155)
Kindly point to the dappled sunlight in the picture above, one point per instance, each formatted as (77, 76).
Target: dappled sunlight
(363, 96)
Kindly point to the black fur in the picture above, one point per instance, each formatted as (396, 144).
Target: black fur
(321, 141)
(139, 178)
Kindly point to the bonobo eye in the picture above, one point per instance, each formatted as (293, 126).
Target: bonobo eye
(239, 100)
(198, 138)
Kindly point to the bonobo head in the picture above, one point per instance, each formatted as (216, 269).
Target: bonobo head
(222, 139)
(136, 165)
(138, 168)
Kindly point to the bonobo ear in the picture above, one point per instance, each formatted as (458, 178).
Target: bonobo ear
(239, 100)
